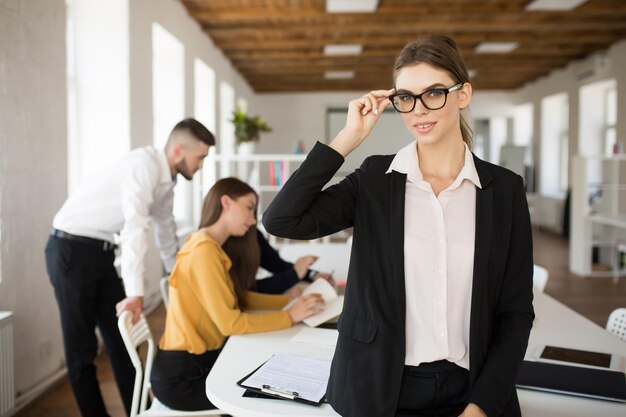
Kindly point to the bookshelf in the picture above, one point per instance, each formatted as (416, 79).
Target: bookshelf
(266, 173)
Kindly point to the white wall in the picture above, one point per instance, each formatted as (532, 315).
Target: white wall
(607, 65)
(33, 176)
(302, 116)
(33, 153)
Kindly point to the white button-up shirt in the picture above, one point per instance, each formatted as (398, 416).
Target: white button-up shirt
(122, 198)
(439, 236)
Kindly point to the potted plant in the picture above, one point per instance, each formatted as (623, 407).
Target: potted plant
(247, 128)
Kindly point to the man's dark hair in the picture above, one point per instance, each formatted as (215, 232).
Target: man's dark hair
(197, 129)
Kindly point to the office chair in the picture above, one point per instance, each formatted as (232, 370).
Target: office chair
(164, 285)
(540, 277)
(133, 336)
(616, 323)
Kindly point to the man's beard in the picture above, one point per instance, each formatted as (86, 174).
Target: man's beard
(181, 168)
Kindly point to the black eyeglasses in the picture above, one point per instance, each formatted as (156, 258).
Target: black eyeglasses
(431, 99)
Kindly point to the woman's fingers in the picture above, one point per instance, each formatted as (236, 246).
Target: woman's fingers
(314, 303)
(375, 100)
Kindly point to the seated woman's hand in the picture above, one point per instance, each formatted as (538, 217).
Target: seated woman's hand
(306, 307)
(303, 263)
(324, 275)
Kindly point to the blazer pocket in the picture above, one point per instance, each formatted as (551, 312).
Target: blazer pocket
(357, 327)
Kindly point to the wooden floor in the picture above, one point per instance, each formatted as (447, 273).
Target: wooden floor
(593, 298)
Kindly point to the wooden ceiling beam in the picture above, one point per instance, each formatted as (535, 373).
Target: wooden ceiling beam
(525, 51)
(330, 65)
(218, 17)
(593, 39)
(358, 87)
(481, 26)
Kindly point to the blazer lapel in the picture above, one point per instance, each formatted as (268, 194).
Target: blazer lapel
(396, 226)
(482, 248)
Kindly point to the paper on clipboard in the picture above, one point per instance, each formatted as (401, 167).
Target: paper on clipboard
(303, 376)
(333, 302)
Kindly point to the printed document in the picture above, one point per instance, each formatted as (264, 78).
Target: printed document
(305, 376)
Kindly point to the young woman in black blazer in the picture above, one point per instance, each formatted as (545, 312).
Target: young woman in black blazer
(432, 220)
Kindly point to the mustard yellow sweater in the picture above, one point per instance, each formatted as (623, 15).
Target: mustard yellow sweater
(203, 306)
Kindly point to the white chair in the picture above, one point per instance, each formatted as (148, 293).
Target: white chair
(540, 277)
(164, 284)
(133, 336)
(616, 323)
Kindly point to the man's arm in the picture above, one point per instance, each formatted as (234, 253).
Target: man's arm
(165, 229)
(136, 192)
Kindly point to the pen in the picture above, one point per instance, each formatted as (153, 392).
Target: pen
(280, 392)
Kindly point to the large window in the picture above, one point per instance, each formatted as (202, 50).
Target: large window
(98, 86)
(554, 146)
(205, 113)
(168, 108)
(611, 146)
(598, 116)
(226, 144)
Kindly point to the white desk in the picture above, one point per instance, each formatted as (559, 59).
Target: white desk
(242, 355)
(555, 324)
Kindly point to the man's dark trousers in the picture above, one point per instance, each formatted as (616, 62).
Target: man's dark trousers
(87, 287)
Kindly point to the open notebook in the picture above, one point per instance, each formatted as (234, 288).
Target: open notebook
(333, 307)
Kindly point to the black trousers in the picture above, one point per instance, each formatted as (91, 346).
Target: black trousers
(179, 379)
(436, 389)
(87, 288)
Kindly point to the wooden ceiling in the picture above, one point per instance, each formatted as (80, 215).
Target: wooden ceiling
(277, 45)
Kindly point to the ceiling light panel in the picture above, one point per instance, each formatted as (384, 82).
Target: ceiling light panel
(351, 6)
(496, 47)
(554, 5)
(339, 75)
(353, 49)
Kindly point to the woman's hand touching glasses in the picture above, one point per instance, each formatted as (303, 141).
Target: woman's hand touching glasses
(363, 113)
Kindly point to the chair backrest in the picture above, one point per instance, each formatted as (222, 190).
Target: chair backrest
(164, 284)
(134, 335)
(616, 323)
(540, 277)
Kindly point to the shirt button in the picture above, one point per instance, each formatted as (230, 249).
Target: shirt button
(441, 334)
(440, 302)
(441, 271)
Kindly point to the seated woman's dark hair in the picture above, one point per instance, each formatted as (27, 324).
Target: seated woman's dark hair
(243, 251)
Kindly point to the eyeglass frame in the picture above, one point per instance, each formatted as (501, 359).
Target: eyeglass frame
(416, 97)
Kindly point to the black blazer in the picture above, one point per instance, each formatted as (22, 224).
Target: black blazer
(368, 363)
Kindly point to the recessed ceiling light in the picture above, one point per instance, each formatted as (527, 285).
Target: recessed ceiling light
(561, 5)
(339, 75)
(495, 47)
(472, 73)
(353, 49)
(351, 6)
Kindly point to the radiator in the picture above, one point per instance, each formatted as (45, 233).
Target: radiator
(7, 382)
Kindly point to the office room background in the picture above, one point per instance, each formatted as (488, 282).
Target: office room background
(83, 81)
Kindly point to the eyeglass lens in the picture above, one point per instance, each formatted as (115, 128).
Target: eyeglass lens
(432, 100)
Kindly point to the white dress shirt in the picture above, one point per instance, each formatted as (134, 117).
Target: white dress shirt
(122, 198)
(439, 235)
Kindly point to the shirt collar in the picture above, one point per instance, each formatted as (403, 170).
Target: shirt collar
(406, 162)
(166, 175)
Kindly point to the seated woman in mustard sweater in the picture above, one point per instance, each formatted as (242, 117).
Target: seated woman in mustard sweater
(209, 289)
